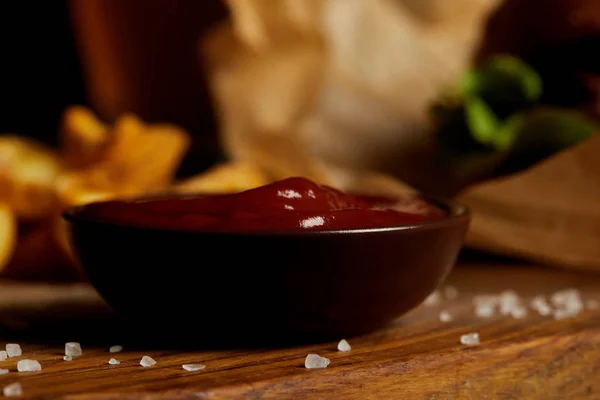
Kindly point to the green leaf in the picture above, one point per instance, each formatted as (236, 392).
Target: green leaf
(481, 121)
(505, 83)
(508, 133)
(495, 119)
(543, 132)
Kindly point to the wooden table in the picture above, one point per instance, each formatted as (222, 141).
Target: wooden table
(418, 357)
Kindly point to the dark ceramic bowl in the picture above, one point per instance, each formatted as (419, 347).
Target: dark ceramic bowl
(300, 284)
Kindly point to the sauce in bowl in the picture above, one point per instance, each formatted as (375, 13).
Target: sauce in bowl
(289, 261)
(286, 205)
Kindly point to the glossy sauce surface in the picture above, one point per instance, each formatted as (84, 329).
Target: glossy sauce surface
(289, 204)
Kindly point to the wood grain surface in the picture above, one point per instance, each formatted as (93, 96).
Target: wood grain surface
(418, 357)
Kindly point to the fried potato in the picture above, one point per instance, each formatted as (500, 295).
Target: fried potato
(146, 156)
(83, 137)
(97, 161)
(28, 171)
(75, 189)
(8, 234)
(130, 158)
(136, 157)
(224, 178)
(39, 255)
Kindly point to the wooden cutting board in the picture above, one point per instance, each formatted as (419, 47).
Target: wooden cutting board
(418, 357)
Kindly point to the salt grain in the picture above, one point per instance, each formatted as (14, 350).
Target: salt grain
(451, 293)
(67, 358)
(509, 300)
(313, 361)
(73, 349)
(470, 339)
(3, 371)
(147, 361)
(193, 367)
(115, 349)
(518, 312)
(544, 311)
(485, 299)
(567, 302)
(14, 389)
(343, 345)
(28, 366)
(540, 304)
(433, 299)
(562, 297)
(13, 350)
(445, 316)
(3, 355)
(561, 314)
(484, 310)
(538, 301)
(112, 361)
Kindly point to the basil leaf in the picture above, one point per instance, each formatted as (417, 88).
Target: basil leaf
(542, 132)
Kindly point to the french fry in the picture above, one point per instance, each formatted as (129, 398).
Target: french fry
(83, 137)
(73, 190)
(27, 173)
(97, 161)
(8, 234)
(157, 155)
(136, 157)
(223, 178)
(38, 255)
(133, 157)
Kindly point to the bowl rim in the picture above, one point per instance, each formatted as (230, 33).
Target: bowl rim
(457, 213)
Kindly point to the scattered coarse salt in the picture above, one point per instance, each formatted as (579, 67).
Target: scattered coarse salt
(313, 361)
(560, 314)
(485, 299)
(73, 349)
(3, 371)
(592, 304)
(433, 299)
(568, 303)
(3, 355)
(445, 316)
(147, 361)
(544, 311)
(193, 367)
(484, 310)
(14, 389)
(13, 350)
(113, 361)
(28, 366)
(470, 339)
(68, 358)
(538, 301)
(115, 349)
(562, 297)
(541, 305)
(451, 293)
(343, 345)
(508, 301)
(518, 312)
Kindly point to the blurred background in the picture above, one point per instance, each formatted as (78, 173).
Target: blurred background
(493, 102)
(112, 56)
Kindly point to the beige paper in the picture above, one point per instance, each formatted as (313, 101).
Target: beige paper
(330, 88)
(316, 87)
(549, 213)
